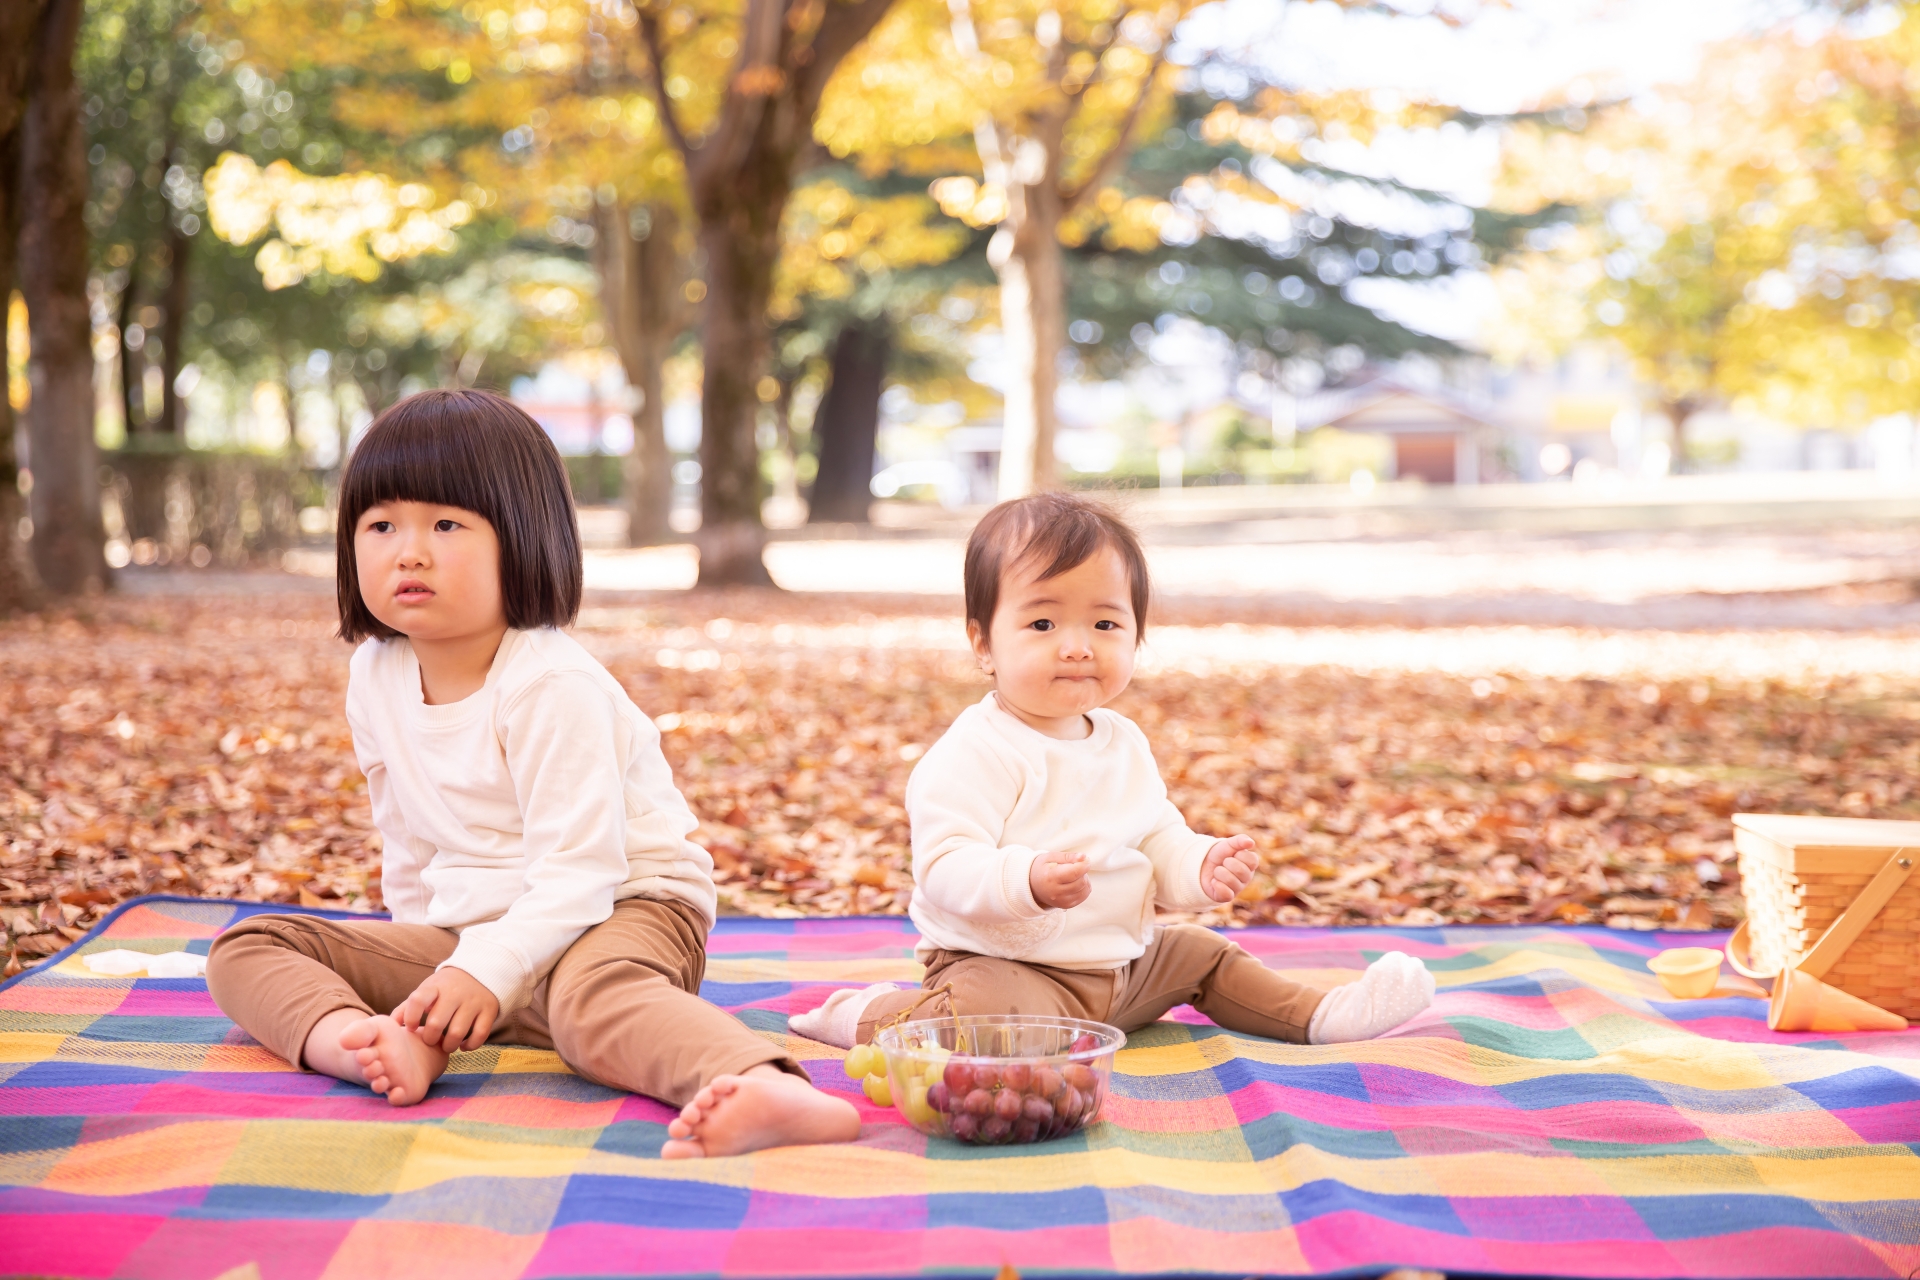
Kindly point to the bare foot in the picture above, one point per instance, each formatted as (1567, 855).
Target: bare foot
(765, 1107)
(392, 1059)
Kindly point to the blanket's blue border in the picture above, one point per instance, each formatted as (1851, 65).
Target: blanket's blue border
(329, 913)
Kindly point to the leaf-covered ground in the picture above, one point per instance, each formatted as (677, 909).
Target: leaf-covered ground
(1401, 775)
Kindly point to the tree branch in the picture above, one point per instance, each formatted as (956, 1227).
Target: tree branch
(746, 98)
(1103, 169)
(657, 57)
(843, 26)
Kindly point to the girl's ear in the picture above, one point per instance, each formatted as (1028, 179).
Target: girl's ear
(977, 637)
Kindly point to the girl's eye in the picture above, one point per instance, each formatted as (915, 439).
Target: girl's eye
(1106, 624)
(380, 526)
(445, 526)
(1041, 624)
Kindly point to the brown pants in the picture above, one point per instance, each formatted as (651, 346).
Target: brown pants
(621, 1006)
(1183, 964)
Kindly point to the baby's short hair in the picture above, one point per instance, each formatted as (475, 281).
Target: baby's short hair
(1059, 531)
(480, 452)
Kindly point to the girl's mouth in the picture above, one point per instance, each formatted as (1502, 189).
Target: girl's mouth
(413, 592)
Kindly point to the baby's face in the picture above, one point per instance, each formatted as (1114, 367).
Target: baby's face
(1061, 646)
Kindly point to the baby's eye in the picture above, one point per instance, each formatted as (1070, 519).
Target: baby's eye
(1106, 624)
(445, 526)
(1041, 624)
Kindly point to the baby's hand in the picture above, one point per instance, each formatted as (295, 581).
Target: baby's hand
(1229, 868)
(450, 1009)
(1060, 879)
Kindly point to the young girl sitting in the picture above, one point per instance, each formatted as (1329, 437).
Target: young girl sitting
(1043, 838)
(535, 852)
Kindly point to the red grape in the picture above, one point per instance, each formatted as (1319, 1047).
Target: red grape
(1017, 1076)
(1026, 1130)
(938, 1096)
(1006, 1104)
(958, 1078)
(1083, 1043)
(1070, 1104)
(1046, 1082)
(965, 1127)
(1037, 1109)
(979, 1102)
(1078, 1074)
(996, 1130)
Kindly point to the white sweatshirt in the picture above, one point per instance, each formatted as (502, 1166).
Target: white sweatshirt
(994, 792)
(520, 814)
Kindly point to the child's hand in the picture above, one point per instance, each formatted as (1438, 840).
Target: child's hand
(450, 1009)
(1229, 868)
(1060, 879)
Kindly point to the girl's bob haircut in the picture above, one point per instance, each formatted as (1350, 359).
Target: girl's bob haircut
(480, 452)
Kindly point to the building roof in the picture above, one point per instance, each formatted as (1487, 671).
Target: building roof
(1388, 406)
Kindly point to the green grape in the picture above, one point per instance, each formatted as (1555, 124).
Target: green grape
(878, 1091)
(864, 1060)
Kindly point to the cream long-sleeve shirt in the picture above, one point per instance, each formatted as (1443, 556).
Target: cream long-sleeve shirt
(993, 793)
(520, 814)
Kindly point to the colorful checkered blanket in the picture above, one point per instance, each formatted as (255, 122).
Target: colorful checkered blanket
(1553, 1113)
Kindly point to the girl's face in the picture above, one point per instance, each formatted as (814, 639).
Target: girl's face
(430, 572)
(1061, 646)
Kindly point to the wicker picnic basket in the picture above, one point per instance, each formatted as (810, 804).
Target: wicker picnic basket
(1800, 874)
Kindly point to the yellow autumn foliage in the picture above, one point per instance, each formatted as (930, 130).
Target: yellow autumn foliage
(349, 226)
(1751, 236)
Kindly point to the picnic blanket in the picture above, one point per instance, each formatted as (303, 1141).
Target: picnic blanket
(1553, 1114)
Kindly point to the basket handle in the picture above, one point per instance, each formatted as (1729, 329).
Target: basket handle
(1853, 922)
(1841, 934)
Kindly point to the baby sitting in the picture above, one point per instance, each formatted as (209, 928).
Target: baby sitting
(1043, 838)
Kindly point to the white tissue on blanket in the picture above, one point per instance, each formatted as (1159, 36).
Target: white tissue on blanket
(121, 963)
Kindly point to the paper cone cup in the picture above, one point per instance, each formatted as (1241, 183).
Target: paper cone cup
(1801, 1002)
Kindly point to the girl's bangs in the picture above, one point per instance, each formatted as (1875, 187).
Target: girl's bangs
(415, 462)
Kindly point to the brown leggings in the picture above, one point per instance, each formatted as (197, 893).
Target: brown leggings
(1183, 964)
(621, 1006)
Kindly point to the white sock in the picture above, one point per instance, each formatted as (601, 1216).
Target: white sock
(837, 1021)
(1394, 988)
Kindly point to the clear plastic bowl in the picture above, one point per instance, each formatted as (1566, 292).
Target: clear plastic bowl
(995, 1079)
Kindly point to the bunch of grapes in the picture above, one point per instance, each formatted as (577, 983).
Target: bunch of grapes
(987, 1102)
(869, 1066)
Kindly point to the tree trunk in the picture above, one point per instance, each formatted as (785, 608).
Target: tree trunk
(1679, 413)
(1025, 254)
(848, 424)
(65, 499)
(741, 244)
(130, 385)
(16, 580)
(18, 23)
(173, 328)
(640, 278)
(739, 175)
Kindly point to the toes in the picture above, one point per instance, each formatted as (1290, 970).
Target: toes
(357, 1035)
(682, 1150)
